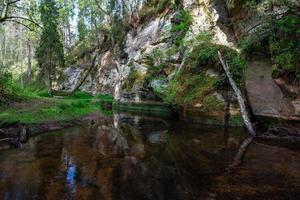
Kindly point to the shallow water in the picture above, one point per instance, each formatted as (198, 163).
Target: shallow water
(136, 158)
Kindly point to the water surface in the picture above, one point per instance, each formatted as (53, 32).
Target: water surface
(134, 158)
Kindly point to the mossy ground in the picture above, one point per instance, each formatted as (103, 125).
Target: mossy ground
(45, 109)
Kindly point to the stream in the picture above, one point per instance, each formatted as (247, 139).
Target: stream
(131, 157)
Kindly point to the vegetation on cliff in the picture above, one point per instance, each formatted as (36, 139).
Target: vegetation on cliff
(279, 32)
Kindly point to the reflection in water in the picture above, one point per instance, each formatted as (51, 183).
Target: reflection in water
(123, 157)
(71, 174)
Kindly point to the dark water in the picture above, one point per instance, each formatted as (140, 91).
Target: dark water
(133, 158)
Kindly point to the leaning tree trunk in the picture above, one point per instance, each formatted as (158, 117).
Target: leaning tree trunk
(86, 75)
(238, 93)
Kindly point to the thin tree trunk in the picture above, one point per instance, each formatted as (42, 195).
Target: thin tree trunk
(86, 75)
(29, 59)
(238, 93)
(21, 77)
(12, 55)
(50, 76)
(4, 48)
(21, 59)
(69, 34)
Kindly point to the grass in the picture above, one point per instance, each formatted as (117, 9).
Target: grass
(33, 104)
(45, 109)
(50, 110)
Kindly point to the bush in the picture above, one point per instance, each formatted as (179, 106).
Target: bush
(153, 8)
(179, 30)
(192, 85)
(134, 78)
(285, 45)
(82, 95)
(282, 38)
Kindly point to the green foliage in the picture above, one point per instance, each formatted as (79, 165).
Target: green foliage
(81, 26)
(105, 97)
(285, 45)
(205, 55)
(153, 8)
(280, 33)
(179, 30)
(11, 91)
(192, 85)
(6, 91)
(134, 78)
(117, 33)
(49, 53)
(188, 89)
(65, 109)
(81, 95)
(256, 41)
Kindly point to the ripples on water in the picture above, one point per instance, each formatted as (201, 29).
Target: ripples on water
(134, 158)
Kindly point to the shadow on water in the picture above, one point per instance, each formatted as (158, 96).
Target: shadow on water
(135, 158)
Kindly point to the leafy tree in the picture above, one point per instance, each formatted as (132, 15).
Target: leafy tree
(49, 53)
(66, 14)
(18, 11)
(81, 27)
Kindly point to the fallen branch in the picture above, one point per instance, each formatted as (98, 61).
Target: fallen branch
(238, 93)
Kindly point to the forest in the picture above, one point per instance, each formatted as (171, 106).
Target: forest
(149, 99)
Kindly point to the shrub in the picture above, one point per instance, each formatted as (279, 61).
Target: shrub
(179, 30)
(82, 95)
(192, 85)
(134, 78)
(281, 35)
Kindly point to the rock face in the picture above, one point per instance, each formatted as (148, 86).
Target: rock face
(265, 96)
(112, 73)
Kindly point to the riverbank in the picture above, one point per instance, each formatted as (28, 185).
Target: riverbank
(42, 110)
(21, 120)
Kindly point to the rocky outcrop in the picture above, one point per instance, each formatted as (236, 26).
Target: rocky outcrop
(128, 75)
(140, 43)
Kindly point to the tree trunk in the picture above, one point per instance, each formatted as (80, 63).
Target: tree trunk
(22, 77)
(21, 57)
(69, 36)
(29, 59)
(86, 75)
(50, 76)
(238, 93)
(4, 48)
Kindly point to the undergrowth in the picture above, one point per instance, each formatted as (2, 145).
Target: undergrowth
(192, 85)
